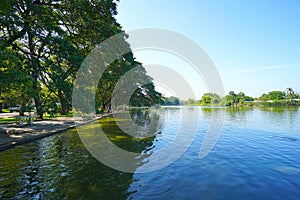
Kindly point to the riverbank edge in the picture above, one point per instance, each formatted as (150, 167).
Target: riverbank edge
(14, 142)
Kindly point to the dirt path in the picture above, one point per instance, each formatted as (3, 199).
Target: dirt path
(12, 135)
(8, 115)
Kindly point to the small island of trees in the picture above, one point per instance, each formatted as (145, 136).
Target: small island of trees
(287, 97)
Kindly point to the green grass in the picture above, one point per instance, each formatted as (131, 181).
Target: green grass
(5, 110)
(47, 116)
(7, 120)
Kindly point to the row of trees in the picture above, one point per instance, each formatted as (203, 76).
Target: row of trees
(287, 97)
(42, 46)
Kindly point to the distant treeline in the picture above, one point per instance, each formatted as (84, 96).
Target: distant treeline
(273, 98)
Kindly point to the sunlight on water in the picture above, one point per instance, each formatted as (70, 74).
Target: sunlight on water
(256, 157)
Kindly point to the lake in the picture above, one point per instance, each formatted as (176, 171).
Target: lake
(255, 156)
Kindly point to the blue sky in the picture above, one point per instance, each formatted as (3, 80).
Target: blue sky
(255, 45)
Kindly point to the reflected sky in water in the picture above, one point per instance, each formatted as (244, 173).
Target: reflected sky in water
(256, 157)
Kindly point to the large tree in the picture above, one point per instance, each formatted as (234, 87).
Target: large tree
(53, 37)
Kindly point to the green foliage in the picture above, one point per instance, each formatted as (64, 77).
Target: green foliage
(7, 120)
(206, 100)
(171, 101)
(290, 94)
(191, 101)
(279, 98)
(231, 99)
(273, 95)
(248, 98)
(43, 44)
(210, 99)
(240, 99)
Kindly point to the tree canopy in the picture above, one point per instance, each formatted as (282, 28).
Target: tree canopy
(43, 44)
(273, 95)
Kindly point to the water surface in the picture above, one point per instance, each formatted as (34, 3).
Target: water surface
(256, 157)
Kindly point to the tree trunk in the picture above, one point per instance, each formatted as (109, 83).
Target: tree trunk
(0, 103)
(36, 95)
(23, 103)
(63, 104)
(103, 107)
(39, 109)
(35, 74)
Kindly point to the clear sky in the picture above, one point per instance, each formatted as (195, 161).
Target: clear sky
(255, 45)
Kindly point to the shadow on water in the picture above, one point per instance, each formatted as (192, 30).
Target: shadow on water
(60, 167)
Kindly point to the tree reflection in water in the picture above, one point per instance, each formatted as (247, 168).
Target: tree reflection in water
(60, 166)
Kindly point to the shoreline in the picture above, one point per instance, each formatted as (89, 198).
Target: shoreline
(12, 135)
